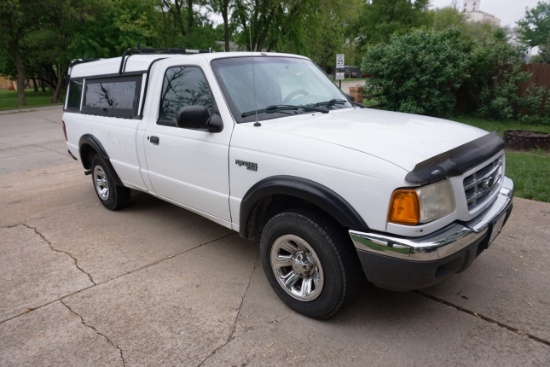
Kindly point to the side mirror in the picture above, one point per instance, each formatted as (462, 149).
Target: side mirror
(198, 117)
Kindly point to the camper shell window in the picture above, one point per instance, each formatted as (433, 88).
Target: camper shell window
(113, 96)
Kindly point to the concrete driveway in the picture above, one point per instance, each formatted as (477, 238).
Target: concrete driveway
(154, 285)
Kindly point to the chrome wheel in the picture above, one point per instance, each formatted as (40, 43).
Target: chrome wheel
(104, 179)
(297, 268)
(309, 262)
(101, 184)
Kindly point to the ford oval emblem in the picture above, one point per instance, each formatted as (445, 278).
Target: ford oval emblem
(488, 183)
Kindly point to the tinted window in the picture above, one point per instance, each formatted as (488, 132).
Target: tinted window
(117, 97)
(183, 86)
(74, 95)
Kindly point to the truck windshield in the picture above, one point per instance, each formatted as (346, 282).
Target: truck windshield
(252, 85)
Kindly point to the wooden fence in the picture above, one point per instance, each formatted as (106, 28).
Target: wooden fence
(540, 76)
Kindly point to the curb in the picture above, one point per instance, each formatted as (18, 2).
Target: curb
(31, 109)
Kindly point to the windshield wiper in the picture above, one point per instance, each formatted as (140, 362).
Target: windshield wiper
(330, 103)
(283, 107)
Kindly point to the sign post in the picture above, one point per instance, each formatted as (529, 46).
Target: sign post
(339, 65)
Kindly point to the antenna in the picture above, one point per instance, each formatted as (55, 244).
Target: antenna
(257, 123)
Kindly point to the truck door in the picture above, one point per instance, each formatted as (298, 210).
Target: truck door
(187, 166)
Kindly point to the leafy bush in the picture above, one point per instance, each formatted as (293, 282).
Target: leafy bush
(493, 71)
(498, 95)
(416, 72)
(428, 72)
(532, 105)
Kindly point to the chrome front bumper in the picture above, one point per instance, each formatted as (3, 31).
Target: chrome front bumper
(444, 242)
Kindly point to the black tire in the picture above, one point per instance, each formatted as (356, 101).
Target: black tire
(314, 259)
(111, 195)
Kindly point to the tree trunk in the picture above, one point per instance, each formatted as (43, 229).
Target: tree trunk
(175, 10)
(34, 84)
(20, 73)
(324, 64)
(59, 85)
(225, 16)
(190, 15)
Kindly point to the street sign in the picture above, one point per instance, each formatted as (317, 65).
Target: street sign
(340, 76)
(340, 61)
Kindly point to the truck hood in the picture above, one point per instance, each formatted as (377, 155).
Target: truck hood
(402, 139)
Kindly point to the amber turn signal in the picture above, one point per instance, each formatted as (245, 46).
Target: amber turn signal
(404, 207)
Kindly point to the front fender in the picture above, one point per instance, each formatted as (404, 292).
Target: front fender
(303, 189)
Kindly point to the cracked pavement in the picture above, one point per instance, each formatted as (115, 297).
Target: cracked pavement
(155, 285)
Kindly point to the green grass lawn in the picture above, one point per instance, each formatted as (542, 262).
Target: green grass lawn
(529, 170)
(501, 126)
(9, 100)
(531, 174)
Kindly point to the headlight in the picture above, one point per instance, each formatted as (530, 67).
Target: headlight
(422, 204)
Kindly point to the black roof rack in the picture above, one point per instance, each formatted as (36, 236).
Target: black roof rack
(153, 51)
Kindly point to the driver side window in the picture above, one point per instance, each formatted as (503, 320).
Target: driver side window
(183, 86)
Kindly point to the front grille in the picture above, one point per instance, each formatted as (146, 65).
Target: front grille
(480, 185)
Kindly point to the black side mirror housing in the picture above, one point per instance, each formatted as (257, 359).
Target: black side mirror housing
(198, 117)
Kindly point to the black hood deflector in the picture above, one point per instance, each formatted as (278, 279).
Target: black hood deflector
(456, 161)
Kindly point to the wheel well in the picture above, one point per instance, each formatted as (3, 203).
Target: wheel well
(89, 146)
(87, 152)
(88, 149)
(272, 205)
(278, 193)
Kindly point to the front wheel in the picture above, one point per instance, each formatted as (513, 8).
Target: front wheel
(111, 195)
(309, 263)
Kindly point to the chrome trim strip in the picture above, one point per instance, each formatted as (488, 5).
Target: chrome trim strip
(440, 244)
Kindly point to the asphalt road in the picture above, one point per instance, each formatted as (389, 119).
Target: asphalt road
(154, 285)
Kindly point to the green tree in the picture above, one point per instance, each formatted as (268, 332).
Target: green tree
(380, 19)
(224, 8)
(450, 17)
(324, 31)
(72, 29)
(534, 28)
(424, 72)
(416, 72)
(48, 49)
(105, 28)
(182, 26)
(544, 53)
(491, 76)
(447, 17)
(265, 24)
(178, 15)
(17, 19)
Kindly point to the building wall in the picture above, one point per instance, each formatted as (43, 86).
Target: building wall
(474, 14)
(479, 16)
(5, 83)
(471, 5)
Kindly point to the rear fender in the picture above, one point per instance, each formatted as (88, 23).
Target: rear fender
(89, 146)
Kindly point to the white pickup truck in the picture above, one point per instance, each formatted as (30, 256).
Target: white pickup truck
(267, 145)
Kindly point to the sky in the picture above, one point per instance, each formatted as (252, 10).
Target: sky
(508, 11)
